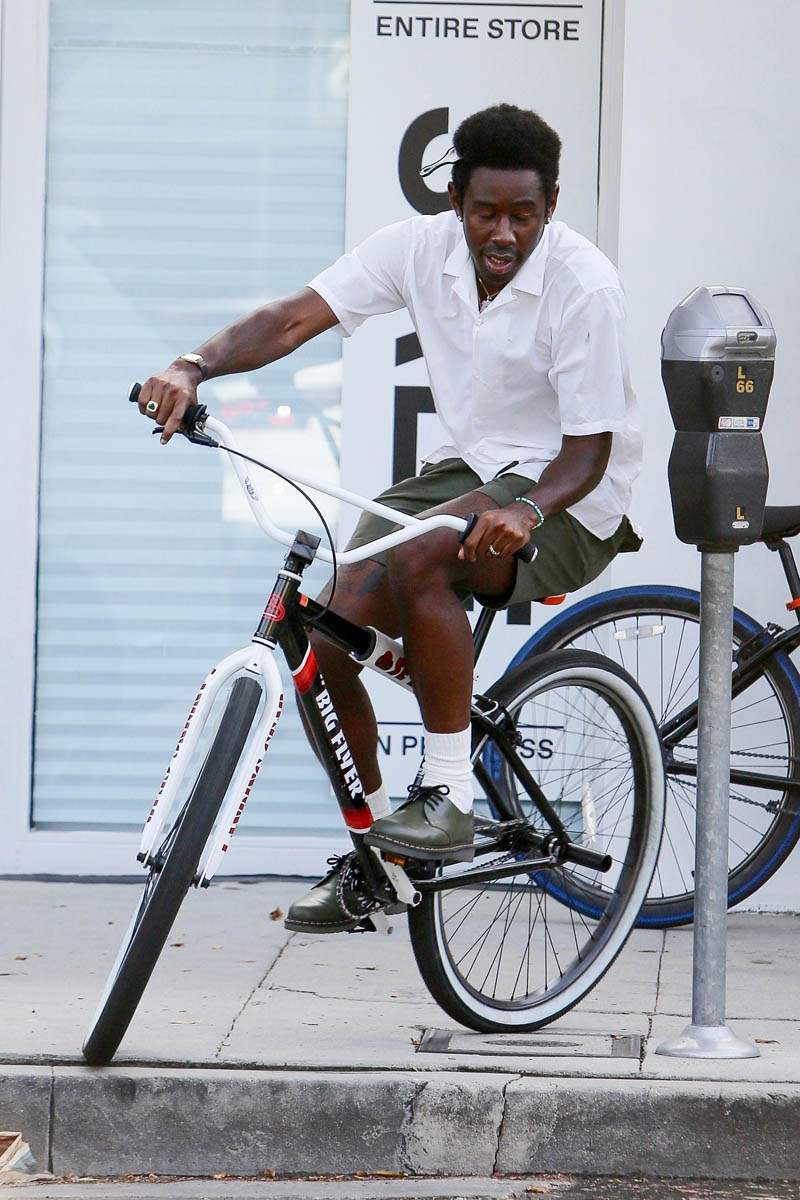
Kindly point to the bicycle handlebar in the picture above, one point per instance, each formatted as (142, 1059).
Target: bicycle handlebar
(196, 421)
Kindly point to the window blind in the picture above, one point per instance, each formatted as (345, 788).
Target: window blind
(196, 166)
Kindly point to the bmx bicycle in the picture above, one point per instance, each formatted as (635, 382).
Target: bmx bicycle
(564, 748)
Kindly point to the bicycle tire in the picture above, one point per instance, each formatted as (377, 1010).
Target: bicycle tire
(170, 876)
(519, 952)
(766, 712)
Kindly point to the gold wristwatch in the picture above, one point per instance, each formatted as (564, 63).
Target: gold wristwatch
(196, 360)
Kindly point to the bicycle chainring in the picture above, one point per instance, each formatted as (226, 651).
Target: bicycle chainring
(351, 891)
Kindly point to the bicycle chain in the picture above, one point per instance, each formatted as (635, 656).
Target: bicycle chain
(787, 758)
(351, 879)
(769, 805)
(500, 861)
(511, 827)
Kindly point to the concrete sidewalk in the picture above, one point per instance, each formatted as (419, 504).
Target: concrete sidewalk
(255, 1050)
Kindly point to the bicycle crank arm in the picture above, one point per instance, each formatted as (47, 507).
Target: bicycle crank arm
(404, 888)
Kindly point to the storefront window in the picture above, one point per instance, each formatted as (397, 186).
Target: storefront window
(196, 167)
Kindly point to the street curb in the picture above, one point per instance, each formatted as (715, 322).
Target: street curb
(651, 1127)
(136, 1120)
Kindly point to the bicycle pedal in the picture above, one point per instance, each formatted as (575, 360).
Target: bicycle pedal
(381, 923)
(369, 925)
(396, 859)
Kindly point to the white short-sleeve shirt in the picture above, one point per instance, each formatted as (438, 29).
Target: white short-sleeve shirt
(545, 358)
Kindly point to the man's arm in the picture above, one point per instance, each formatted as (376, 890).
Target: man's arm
(574, 472)
(253, 341)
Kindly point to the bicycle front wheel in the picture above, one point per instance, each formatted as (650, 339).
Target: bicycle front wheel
(172, 870)
(520, 951)
(654, 632)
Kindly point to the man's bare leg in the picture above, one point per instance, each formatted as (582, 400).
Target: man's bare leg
(437, 821)
(436, 632)
(363, 596)
(415, 596)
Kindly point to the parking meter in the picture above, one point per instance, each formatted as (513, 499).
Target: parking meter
(717, 362)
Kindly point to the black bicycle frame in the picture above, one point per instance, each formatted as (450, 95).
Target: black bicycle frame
(287, 617)
(751, 656)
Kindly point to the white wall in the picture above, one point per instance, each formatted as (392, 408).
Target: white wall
(709, 194)
(22, 174)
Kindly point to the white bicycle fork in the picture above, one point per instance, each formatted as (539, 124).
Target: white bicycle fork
(259, 662)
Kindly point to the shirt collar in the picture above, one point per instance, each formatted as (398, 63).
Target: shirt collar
(529, 278)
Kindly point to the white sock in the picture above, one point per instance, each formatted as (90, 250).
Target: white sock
(447, 760)
(378, 803)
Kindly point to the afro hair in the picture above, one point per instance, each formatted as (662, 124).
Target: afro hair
(508, 138)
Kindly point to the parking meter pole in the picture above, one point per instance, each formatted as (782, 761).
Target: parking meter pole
(713, 777)
(708, 1036)
(717, 363)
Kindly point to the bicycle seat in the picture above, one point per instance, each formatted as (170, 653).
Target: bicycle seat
(780, 521)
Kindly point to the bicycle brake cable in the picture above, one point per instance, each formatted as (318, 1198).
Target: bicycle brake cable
(257, 462)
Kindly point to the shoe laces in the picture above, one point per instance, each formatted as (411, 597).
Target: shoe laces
(337, 860)
(351, 893)
(431, 795)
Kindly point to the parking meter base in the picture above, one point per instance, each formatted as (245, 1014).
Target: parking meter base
(707, 1041)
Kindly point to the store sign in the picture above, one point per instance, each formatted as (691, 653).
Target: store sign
(417, 69)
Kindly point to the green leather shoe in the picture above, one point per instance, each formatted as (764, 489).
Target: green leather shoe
(427, 826)
(334, 905)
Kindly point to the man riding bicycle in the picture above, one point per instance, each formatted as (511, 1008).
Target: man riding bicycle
(521, 322)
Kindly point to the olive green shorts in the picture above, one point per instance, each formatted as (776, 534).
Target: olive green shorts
(568, 557)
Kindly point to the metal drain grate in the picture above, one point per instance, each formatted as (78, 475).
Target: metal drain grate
(569, 1044)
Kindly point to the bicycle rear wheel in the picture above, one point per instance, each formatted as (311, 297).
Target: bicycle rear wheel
(520, 951)
(172, 870)
(653, 631)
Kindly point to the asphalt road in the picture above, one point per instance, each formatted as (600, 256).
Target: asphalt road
(557, 1188)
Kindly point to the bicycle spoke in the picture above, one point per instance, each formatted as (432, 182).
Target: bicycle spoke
(656, 638)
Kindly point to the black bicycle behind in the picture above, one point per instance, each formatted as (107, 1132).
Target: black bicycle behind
(653, 631)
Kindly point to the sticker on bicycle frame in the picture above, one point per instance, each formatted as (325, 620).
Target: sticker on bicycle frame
(275, 609)
(357, 818)
(305, 674)
(392, 665)
(341, 750)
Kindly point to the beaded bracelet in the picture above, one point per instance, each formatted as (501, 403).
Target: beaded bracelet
(535, 508)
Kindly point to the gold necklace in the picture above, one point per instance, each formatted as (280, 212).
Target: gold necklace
(488, 297)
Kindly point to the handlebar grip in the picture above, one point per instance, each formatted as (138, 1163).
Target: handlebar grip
(470, 519)
(194, 413)
(524, 554)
